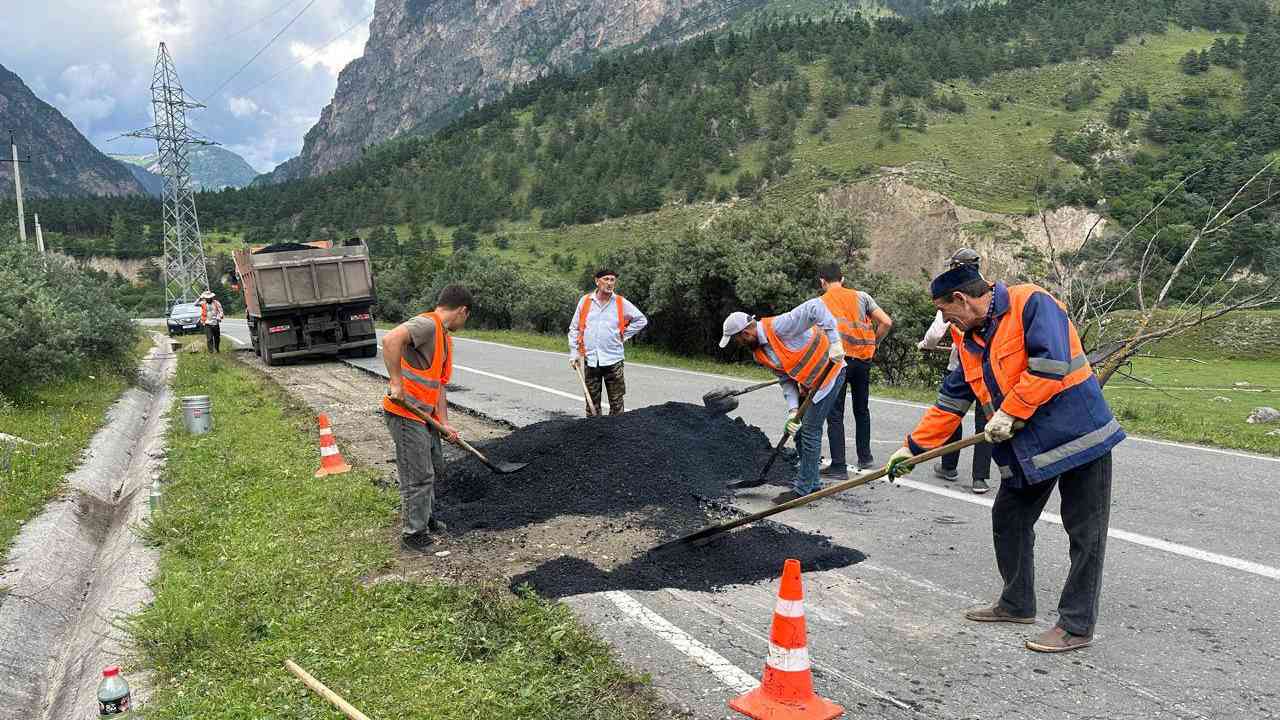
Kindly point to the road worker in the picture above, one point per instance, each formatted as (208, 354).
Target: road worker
(861, 324)
(803, 348)
(1021, 357)
(211, 319)
(602, 323)
(419, 357)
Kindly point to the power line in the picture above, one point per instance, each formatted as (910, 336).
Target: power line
(310, 55)
(259, 21)
(262, 50)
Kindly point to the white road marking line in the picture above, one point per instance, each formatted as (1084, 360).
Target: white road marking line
(553, 391)
(235, 339)
(1187, 551)
(732, 676)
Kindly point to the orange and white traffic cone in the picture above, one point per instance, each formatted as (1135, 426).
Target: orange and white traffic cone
(331, 462)
(786, 692)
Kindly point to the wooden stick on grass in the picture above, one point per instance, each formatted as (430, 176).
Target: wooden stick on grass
(325, 692)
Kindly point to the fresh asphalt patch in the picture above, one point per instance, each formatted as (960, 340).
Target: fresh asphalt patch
(598, 493)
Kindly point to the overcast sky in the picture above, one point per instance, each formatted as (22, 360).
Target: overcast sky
(93, 60)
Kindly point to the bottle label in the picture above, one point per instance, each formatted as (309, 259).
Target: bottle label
(119, 706)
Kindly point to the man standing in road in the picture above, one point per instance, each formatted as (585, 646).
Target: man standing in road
(803, 349)
(419, 357)
(948, 468)
(861, 325)
(603, 323)
(211, 319)
(1021, 357)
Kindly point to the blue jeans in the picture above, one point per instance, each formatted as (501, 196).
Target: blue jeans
(810, 440)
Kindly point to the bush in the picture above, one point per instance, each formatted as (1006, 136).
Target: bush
(54, 322)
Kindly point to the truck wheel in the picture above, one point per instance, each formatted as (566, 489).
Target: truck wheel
(264, 349)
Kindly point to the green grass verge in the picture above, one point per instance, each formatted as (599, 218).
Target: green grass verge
(261, 562)
(60, 417)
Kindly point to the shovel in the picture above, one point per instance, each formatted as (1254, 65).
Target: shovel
(502, 468)
(804, 406)
(704, 535)
(724, 399)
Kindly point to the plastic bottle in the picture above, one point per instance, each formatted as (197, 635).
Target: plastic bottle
(154, 498)
(113, 695)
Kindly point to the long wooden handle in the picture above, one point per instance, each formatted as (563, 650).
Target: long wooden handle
(753, 388)
(319, 688)
(440, 429)
(832, 490)
(582, 378)
(786, 434)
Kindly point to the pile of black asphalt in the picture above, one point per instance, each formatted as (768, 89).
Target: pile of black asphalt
(653, 474)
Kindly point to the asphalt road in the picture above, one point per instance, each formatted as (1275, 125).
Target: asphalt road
(1189, 602)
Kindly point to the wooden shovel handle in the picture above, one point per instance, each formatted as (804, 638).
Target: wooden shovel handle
(440, 429)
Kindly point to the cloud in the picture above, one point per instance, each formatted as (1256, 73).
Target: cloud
(99, 71)
(242, 106)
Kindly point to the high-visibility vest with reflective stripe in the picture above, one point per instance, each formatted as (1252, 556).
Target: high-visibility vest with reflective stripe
(805, 365)
(856, 333)
(422, 387)
(1068, 421)
(584, 309)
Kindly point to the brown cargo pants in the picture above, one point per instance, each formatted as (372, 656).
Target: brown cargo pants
(614, 382)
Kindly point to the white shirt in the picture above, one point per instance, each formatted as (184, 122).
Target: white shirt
(795, 329)
(604, 344)
(214, 312)
(938, 330)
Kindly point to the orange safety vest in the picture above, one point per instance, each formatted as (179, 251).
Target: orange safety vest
(585, 309)
(422, 387)
(856, 333)
(805, 365)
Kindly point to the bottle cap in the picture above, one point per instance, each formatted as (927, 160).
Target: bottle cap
(111, 671)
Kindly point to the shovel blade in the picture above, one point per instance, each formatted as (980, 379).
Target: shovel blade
(506, 468)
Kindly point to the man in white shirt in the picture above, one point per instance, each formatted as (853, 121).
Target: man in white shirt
(933, 337)
(802, 347)
(602, 323)
(211, 318)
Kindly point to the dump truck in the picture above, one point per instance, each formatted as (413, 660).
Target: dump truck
(308, 299)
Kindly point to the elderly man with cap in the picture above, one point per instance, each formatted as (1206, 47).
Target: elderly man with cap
(603, 323)
(933, 337)
(211, 319)
(803, 349)
(1021, 357)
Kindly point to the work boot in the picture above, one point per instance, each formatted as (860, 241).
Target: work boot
(945, 474)
(995, 613)
(436, 526)
(835, 472)
(786, 496)
(419, 543)
(980, 486)
(869, 464)
(1056, 640)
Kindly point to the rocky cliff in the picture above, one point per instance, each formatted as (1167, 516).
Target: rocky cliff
(63, 162)
(428, 61)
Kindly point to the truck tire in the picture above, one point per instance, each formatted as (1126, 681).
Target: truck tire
(263, 347)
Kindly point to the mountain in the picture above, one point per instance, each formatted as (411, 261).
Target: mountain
(426, 63)
(212, 168)
(154, 184)
(63, 162)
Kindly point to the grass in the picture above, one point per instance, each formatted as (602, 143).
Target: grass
(261, 562)
(60, 417)
(990, 160)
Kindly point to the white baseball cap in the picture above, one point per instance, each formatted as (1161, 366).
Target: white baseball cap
(734, 324)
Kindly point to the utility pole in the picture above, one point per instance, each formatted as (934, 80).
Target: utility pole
(185, 275)
(39, 237)
(17, 185)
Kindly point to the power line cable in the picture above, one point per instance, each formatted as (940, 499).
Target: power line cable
(259, 21)
(262, 50)
(310, 55)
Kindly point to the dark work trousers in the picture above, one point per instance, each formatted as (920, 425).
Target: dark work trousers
(1086, 512)
(858, 380)
(614, 382)
(419, 463)
(981, 451)
(213, 337)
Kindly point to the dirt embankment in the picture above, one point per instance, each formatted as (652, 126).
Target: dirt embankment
(596, 496)
(913, 231)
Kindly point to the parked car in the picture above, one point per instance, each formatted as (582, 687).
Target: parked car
(183, 318)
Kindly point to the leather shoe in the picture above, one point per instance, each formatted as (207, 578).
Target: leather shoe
(995, 613)
(419, 543)
(1056, 640)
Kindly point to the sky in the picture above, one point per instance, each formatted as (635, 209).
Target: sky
(93, 60)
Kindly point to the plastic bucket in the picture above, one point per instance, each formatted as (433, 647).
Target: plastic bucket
(197, 414)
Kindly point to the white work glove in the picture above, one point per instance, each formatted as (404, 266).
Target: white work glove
(793, 422)
(575, 361)
(897, 463)
(836, 352)
(1000, 427)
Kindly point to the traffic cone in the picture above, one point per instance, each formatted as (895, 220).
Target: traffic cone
(786, 691)
(331, 462)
